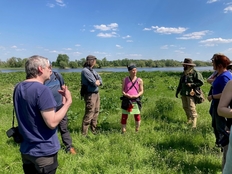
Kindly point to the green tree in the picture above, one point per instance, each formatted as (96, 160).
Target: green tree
(63, 65)
(104, 62)
(62, 60)
(12, 62)
(73, 64)
(140, 63)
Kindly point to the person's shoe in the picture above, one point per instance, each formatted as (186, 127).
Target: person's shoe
(72, 151)
(194, 123)
(123, 130)
(94, 132)
(136, 129)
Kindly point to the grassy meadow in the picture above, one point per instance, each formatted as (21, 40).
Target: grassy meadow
(165, 144)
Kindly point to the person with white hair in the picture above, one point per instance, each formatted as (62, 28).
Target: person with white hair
(35, 109)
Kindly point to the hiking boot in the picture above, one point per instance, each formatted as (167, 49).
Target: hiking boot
(72, 151)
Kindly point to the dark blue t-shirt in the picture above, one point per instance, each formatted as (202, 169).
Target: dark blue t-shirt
(38, 139)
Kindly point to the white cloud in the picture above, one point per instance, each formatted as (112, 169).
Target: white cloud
(107, 35)
(60, 3)
(228, 9)
(182, 48)
(53, 51)
(194, 35)
(135, 55)
(169, 30)
(126, 37)
(20, 49)
(77, 53)
(57, 2)
(67, 49)
(14, 47)
(103, 27)
(50, 5)
(97, 52)
(209, 45)
(215, 41)
(92, 31)
(179, 51)
(166, 30)
(119, 46)
(164, 47)
(211, 1)
(129, 40)
(77, 45)
(147, 29)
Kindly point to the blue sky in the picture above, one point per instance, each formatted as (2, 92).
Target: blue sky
(133, 29)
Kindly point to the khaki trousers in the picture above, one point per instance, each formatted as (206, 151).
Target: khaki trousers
(92, 106)
(189, 107)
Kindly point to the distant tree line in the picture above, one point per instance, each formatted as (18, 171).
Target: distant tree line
(63, 61)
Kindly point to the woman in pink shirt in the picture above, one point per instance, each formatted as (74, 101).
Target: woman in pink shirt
(132, 88)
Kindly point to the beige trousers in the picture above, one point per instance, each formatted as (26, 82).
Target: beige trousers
(189, 107)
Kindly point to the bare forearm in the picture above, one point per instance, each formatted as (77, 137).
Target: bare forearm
(58, 116)
(225, 112)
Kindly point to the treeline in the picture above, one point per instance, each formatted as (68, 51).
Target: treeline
(63, 61)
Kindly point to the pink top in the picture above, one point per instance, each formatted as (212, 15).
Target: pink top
(128, 84)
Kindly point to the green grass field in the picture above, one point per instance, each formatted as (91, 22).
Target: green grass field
(165, 144)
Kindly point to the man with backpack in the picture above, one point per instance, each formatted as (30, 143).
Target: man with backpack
(54, 83)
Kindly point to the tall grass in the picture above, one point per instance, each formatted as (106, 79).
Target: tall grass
(165, 144)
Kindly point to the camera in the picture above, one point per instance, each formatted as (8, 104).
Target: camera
(14, 132)
(10, 132)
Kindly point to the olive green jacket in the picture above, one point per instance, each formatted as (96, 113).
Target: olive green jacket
(194, 77)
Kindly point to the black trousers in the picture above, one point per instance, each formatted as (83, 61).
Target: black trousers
(63, 129)
(36, 165)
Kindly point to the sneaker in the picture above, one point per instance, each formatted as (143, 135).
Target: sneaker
(72, 151)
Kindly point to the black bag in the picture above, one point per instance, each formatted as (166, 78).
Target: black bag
(199, 96)
(125, 102)
(14, 132)
(84, 90)
(139, 103)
